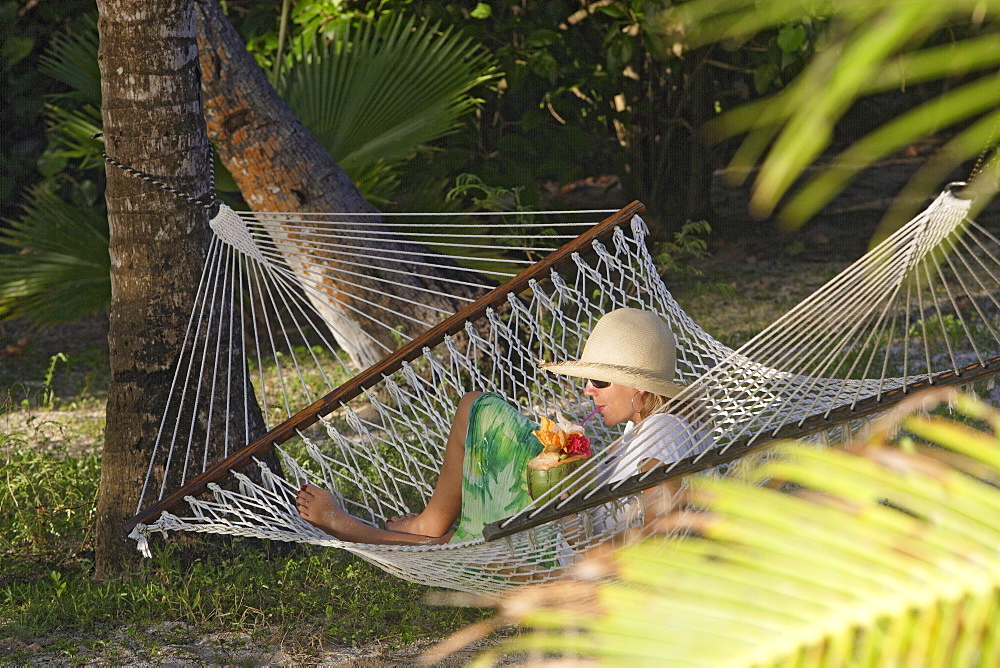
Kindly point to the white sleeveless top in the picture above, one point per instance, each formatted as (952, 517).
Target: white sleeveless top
(664, 437)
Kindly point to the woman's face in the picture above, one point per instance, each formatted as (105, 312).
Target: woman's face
(617, 403)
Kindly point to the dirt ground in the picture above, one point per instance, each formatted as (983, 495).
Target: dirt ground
(766, 272)
(159, 646)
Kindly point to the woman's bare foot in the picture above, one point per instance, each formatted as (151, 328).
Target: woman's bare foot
(319, 507)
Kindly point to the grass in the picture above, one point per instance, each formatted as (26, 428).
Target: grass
(298, 597)
(733, 303)
(301, 594)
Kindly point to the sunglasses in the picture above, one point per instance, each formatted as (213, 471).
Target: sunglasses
(599, 384)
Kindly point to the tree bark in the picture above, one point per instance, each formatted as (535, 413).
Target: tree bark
(280, 166)
(669, 162)
(153, 122)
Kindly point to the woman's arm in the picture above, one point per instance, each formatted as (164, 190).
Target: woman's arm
(661, 497)
(354, 530)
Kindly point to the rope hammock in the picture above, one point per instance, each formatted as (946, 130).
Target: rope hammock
(919, 309)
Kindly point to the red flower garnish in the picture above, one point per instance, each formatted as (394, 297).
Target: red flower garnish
(577, 444)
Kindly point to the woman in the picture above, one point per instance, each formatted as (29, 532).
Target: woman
(628, 363)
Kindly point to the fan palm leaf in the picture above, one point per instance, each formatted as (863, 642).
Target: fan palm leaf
(372, 93)
(71, 133)
(871, 555)
(60, 270)
(71, 58)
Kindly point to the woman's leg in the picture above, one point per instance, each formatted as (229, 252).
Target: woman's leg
(319, 507)
(445, 503)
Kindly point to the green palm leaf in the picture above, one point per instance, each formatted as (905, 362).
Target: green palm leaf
(72, 134)
(873, 555)
(869, 47)
(56, 267)
(371, 94)
(60, 269)
(71, 58)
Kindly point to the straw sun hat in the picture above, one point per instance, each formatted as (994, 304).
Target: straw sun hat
(629, 347)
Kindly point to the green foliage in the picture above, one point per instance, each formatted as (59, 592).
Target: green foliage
(48, 393)
(25, 29)
(884, 552)
(786, 52)
(14, 47)
(47, 501)
(542, 122)
(373, 93)
(71, 59)
(589, 90)
(349, 88)
(74, 115)
(338, 598)
(484, 197)
(554, 120)
(870, 47)
(72, 141)
(688, 242)
(56, 266)
(61, 270)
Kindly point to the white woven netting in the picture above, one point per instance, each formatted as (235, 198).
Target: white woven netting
(922, 304)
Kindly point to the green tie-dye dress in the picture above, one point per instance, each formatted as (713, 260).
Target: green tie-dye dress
(498, 446)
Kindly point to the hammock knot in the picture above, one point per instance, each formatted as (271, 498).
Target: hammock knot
(267, 478)
(449, 344)
(139, 535)
(353, 420)
(639, 228)
(314, 450)
(231, 229)
(587, 520)
(562, 289)
(392, 387)
(214, 488)
(409, 375)
(376, 403)
(602, 252)
(559, 285)
(292, 468)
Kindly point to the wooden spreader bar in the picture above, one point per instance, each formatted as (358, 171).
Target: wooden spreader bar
(375, 373)
(553, 511)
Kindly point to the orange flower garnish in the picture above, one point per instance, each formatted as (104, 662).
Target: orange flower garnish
(562, 442)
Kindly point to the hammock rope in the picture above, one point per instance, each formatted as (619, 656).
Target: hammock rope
(363, 380)
(920, 309)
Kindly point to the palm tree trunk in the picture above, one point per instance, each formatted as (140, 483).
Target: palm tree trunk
(152, 117)
(280, 166)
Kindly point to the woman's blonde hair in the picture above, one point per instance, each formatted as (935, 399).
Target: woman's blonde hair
(651, 403)
(688, 409)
